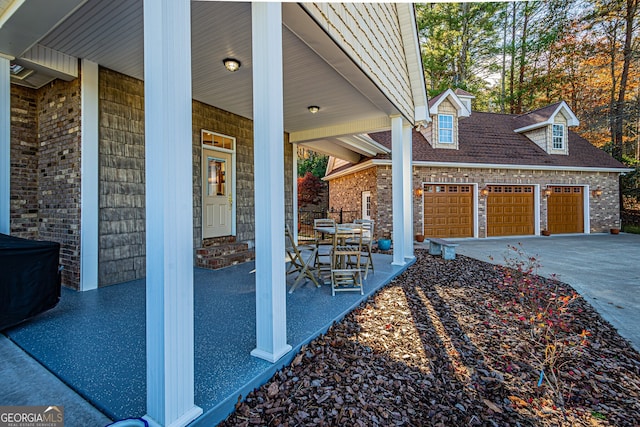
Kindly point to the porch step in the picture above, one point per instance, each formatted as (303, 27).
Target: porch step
(223, 252)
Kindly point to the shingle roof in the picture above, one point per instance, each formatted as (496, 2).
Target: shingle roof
(462, 92)
(537, 116)
(489, 138)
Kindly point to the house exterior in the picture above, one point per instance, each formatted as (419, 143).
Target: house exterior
(485, 174)
(125, 137)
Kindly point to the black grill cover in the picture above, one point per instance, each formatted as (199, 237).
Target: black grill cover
(29, 278)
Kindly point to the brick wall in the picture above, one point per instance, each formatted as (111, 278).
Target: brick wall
(58, 111)
(121, 178)
(220, 121)
(122, 185)
(24, 163)
(346, 193)
(604, 210)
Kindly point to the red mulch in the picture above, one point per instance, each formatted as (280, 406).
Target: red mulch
(431, 349)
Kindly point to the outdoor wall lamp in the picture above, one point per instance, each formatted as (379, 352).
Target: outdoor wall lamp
(313, 109)
(418, 192)
(597, 192)
(231, 64)
(546, 192)
(484, 192)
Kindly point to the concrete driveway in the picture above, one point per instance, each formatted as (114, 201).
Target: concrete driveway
(603, 268)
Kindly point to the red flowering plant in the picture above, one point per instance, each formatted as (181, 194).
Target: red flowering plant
(545, 308)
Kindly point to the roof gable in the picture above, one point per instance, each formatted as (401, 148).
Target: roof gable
(545, 116)
(435, 102)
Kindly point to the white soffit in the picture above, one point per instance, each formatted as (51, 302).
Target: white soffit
(24, 23)
(347, 147)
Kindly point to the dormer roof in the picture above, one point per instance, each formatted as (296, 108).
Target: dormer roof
(449, 94)
(545, 116)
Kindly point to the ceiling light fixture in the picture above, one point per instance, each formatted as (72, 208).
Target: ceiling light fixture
(313, 109)
(231, 64)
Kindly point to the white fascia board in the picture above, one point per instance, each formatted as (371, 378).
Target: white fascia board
(571, 121)
(386, 162)
(462, 109)
(364, 145)
(524, 167)
(409, 34)
(357, 168)
(49, 61)
(532, 127)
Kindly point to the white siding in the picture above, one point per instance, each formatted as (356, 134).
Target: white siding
(370, 35)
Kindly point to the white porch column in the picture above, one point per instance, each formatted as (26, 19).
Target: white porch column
(169, 213)
(407, 187)
(89, 167)
(5, 145)
(268, 143)
(397, 185)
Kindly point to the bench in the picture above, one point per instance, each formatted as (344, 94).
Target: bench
(442, 247)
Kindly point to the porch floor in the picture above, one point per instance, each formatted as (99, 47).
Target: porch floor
(95, 341)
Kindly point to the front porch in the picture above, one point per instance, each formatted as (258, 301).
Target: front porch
(95, 340)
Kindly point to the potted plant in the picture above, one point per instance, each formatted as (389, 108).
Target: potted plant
(420, 238)
(384, 243)
(614, 230)
(545, 232)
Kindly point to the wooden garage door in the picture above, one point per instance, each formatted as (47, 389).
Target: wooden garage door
(565, 210)
(510, 210)
(448, 211)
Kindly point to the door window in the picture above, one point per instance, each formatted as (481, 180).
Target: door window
(216, 177)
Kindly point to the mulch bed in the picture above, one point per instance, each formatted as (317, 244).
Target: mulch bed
(432, 349)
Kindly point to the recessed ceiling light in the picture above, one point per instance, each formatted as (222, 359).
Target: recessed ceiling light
(313, 109)
(231, 64)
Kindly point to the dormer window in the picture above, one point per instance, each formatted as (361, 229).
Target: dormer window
(558, 137)
(445, 128)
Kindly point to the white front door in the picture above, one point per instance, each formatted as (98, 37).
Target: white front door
(217, 193)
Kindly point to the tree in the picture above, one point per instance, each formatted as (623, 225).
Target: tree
(460, 44)
(310, 161)
(309, 188)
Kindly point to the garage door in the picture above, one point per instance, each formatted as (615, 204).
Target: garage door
(448, 211)
(565, 210)
(510, 210)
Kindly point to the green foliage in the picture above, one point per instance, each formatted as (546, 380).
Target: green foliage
(314, 163)
(633, 229)
(459, 42)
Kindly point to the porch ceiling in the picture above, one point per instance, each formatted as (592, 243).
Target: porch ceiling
(316, 71)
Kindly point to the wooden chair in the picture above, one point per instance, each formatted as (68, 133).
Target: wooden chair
(324, 244)
(367, 242)
(346, 274)
(304, 267)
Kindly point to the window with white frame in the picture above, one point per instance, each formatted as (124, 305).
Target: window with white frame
(445, 128)
(558, 137)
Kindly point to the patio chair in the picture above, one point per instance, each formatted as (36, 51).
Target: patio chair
(324, 244)
(346, 273)
(367, 242)
(304, 267)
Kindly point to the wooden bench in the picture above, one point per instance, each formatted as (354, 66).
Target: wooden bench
(442, 247)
